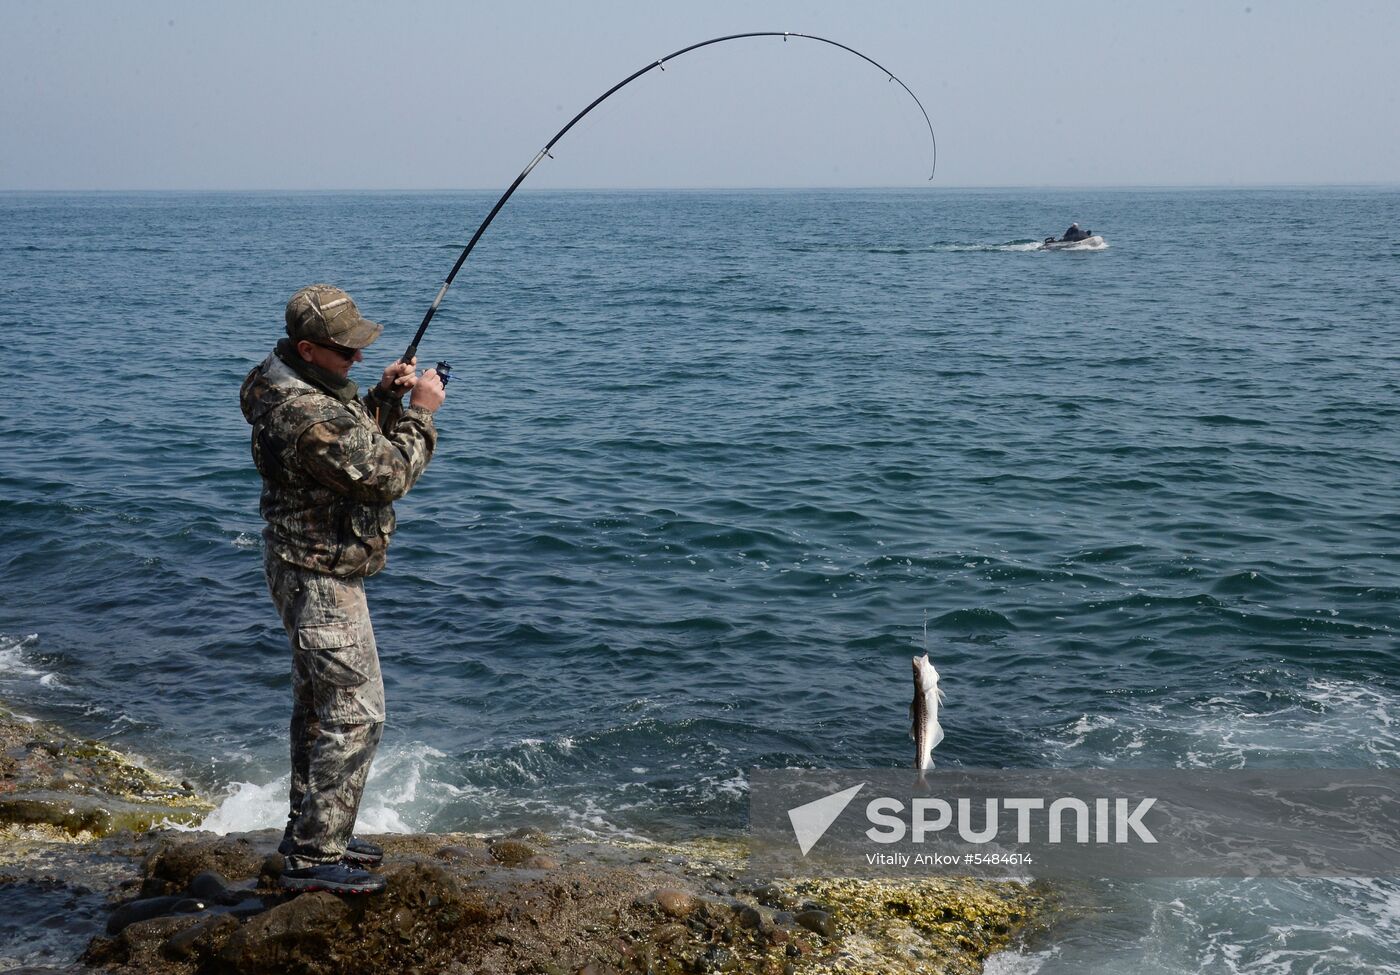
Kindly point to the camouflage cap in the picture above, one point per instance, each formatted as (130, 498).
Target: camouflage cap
(324, 313)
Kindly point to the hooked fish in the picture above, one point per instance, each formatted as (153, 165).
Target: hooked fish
(923, 714)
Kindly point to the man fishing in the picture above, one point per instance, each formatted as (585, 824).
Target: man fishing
(332, 465)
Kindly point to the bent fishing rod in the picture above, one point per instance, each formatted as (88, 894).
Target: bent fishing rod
(443, 368)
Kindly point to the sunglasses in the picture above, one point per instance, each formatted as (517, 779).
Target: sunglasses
(347, 354)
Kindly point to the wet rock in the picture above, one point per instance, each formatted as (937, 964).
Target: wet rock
(512, 853)
(713, 913)
(676, 903)
(138, 945)
(77, 814)
(156, 887)
(770, 895)
(669, 933)
(542, 862)
(719, 959)
(749, 917)
(151, 907)
(271, 870)
(55, 782)
(204, 938)
(212, 887)
(596, 968)
(529, 834)
(179, 859)
(296, 936)
(463, 854)
(818, 922)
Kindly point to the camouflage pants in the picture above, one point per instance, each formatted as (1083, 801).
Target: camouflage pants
(337, 705)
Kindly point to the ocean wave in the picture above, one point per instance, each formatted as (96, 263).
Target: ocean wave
(399, 787)
(12, 662)
(976, 620)
(1227, 420)
(17, 667)
(1271, 718)
(1246, 582)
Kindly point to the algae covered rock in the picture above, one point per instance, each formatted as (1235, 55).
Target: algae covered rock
(55, 784)
(180, 858)
(619, 909)
(513, 853)
(300, 935)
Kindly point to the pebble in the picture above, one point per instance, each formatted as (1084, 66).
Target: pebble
(595, 968)
(720, 959)
(770, 895)
(528, 833)
(668, 933)
(676, 903)
(512, 853)
(818, 922)
(462, 854)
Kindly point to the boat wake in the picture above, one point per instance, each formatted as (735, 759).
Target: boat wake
(1095, 243)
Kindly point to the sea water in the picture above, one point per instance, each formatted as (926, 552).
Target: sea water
(707, 461)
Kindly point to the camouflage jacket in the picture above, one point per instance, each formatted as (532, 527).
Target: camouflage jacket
(330, 472)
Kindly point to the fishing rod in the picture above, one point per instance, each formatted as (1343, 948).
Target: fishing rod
(443, 368)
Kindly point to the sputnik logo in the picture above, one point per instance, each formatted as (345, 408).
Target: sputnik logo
(811, 820)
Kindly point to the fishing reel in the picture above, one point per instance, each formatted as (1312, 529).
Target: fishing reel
(444, 372)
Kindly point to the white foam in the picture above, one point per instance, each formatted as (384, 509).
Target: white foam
(391, 804)
(1015, 963)
(1284, 722)
(1008, 248)
(12, 655)
(250, 806)
(393, 787)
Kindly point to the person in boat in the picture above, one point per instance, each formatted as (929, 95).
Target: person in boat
(1074, 233)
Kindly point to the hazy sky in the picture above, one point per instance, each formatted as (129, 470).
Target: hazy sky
(249, 95)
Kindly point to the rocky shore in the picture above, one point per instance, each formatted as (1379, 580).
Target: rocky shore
(91, 881)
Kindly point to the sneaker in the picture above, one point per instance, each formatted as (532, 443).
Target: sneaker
(363, 853)
(358, 852)
(338, 878)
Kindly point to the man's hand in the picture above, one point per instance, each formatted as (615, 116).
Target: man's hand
(399, 378)
(428, 392)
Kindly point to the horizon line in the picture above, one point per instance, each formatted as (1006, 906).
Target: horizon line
(1379, 184)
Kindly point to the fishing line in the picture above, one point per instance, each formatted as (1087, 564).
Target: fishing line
(544, 153)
